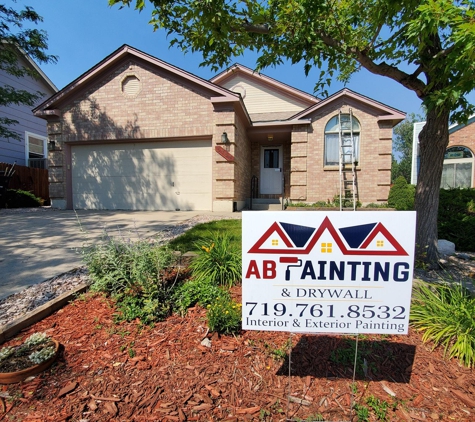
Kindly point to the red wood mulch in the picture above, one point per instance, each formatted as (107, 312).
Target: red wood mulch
(129, 372)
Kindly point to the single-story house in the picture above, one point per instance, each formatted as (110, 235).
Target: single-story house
(459, 169)
(137, 133)
(31, 149)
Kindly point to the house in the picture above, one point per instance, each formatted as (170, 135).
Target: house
(137, 133)
(31, 150)
(459, 169)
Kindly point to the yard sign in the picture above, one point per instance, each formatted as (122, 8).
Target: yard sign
(327, 272)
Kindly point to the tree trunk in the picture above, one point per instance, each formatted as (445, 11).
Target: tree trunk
(433, 141)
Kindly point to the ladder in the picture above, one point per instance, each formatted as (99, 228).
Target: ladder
(347, 162)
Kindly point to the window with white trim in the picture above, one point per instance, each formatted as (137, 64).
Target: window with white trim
(36, 151)
(332, 139)
(458, 168)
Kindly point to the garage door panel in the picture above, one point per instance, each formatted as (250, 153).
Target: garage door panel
(142, 176)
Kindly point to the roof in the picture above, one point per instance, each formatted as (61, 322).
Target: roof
(37, 69)
(217, 93)
(389, 113)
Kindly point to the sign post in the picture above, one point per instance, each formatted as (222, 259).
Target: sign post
(328, 272)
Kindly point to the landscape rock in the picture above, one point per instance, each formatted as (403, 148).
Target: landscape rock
(445, 247)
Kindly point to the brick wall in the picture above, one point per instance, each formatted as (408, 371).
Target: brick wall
(312, 181)
(464, 137)
(163, 108)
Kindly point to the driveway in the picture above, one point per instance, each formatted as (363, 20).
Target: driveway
(43, 243)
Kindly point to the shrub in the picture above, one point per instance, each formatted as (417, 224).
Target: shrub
(201, 292)
(224, 316)
(445, 315)
(22, 199)
(456, 218)
(401, 195)
(134, 274)
(217, 261)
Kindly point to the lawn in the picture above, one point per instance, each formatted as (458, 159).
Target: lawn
(188, 241)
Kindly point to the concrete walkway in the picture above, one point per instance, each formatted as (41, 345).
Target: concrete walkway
(43, 243)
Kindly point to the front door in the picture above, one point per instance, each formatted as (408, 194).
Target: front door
(271, 170)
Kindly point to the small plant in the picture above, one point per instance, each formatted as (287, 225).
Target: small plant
(224, 316)
(17, 198)
(42, 355)
(445, 315)
(217, 261)
(401, 195)
(36, 338)
(192, 292)
(362, 413)
(37, 348)
(136, 275)
(379, 407)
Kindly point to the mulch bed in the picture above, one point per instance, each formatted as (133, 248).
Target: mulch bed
(131, 372)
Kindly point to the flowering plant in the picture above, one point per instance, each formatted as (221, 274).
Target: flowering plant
(224, 316)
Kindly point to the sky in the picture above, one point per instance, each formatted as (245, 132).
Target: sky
(83, 32)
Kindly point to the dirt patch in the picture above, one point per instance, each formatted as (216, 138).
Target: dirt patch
(130, 372)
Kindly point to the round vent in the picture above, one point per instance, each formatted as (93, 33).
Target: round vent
(239, 89)
(131, 86)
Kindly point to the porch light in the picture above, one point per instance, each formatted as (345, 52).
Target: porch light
(224, 138)
(51, 145)
(270, 138)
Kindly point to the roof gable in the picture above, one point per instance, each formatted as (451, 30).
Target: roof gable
(216, 93)
(384, 111)
(238, 77)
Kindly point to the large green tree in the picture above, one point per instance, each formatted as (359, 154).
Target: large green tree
(17, 37)
(427, 46)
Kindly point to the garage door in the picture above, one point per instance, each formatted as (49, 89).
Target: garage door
(142, 176)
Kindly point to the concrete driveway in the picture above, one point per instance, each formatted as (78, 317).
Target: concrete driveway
(43, 243)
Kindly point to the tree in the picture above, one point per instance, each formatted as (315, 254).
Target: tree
(15, 41)
(402, 144)
(427, 46)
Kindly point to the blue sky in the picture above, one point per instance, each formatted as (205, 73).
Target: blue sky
(83, 32)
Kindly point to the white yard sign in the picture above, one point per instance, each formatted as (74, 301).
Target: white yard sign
(327, 272)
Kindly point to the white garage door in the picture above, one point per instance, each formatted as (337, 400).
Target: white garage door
(142, 176)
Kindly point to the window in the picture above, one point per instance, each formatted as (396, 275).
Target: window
(271, 158)
(458, 168)
(332, 139)
(35, 150)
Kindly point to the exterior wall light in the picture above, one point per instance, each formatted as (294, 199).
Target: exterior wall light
(224, 138)
(51, 145)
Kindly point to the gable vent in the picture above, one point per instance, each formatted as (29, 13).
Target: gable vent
(131, 86)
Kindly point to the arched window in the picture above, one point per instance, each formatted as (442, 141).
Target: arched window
(458, 168)
(332, 139)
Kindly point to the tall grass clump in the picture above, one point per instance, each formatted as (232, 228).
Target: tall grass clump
(445, 315)
(133, 273)
(218, 260)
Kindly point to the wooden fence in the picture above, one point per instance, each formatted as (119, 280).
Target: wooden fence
(30, 179)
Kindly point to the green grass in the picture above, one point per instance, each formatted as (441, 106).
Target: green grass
(187, 241)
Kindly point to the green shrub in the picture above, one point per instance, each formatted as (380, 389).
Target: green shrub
(401, 195)
(22, 199)
(456, 218)
(445, 315)
(218, 261)
(134, 274)
(192, 292)
(224, 316)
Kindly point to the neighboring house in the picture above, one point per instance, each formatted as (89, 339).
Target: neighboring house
(32, 150)
(459, 169)
(137, 133)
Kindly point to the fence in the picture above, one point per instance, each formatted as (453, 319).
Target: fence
(30, 179)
